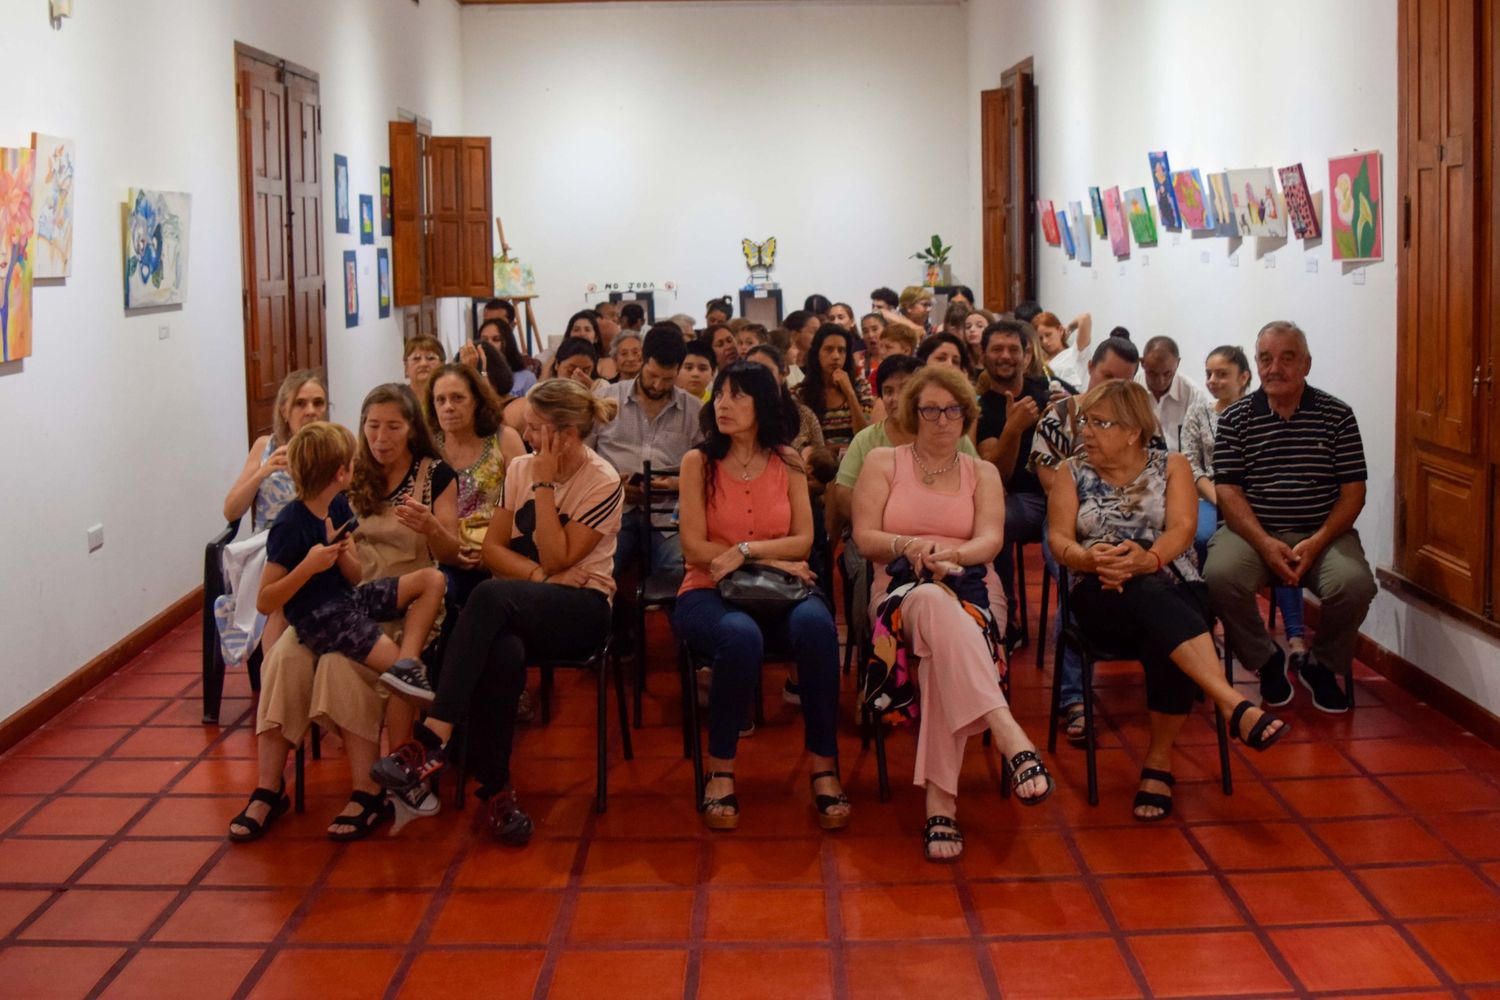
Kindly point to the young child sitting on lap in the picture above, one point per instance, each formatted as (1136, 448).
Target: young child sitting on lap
(312, 572)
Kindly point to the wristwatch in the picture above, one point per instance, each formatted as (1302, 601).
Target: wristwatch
(744, 548)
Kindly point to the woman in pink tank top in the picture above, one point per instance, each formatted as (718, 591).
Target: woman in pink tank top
(932, 520)
(744, 499)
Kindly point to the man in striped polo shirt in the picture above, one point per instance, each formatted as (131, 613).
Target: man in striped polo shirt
(1289, 469)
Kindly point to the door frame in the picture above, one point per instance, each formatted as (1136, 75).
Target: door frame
(1018, 194)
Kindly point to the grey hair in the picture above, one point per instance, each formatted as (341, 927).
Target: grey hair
(1284, 326)
(685, 321)
(621, 337)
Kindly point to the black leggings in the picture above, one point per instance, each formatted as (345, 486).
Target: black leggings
(504, 625)
(1152, 616)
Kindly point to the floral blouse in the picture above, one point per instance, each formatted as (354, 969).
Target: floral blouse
(838, 421)
(480, 487)
(1134, 512)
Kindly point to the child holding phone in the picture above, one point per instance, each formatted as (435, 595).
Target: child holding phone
(312, 572)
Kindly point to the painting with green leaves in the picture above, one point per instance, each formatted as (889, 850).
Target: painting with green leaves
(1354, 222)
(1138, 211)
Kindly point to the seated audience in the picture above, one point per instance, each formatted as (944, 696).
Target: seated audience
(745, 500)
(721, 341)
(478, 448)
(421, 357)
(655, 422)
(696, 375)
(264, 487)
(551, 547)
(633, 318)
(1172, 393)
(803, 326)
(929, 517)
(973, 333)
(749, 335)
(499, 334)
(833, 390)
(1009, 411)
(884, 300)
(332, 605)
(809, 433)
(716, 312)
(1063, 347)
(1289, 476)
(491, 365)
(625, 356)
(1122, 517)
(842, 314)
(1027, 311)
(685, 324)
(818, 305)
(503, 309)
(871, 327)
(953, 319)
(964, 294)
(898, 338)
(916, 305)
(585, 324)
(944, 350)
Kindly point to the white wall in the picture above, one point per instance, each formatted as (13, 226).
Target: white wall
(1235, 83)
(641, 142)
(105, 422)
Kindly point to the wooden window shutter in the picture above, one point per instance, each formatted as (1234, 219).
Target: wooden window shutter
(462, 247)
(406, 210)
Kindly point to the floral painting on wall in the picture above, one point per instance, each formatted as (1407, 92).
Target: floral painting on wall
(16, 248)
(1193, 203)
(1081, 233)
(156, 248)
(1138, 211)
(1299, 203)
(1354, 186)
(52, 205)
(1119, 235)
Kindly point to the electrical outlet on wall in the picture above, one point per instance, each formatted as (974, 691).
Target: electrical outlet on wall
(96, 538)
(163, 332)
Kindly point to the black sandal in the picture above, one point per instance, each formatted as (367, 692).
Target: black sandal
(721, 820)
(1154, 800)
(507, 822)
(279, 804)
(1019, 776)
(1256, 739)
(1076, 713)
(823, 803)
(933, 833)
(375, 810)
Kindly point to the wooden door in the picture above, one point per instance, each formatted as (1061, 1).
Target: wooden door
(1445, 477)
(1489, 311)
(461, 245)
(1023, 184)
(266, 297)
(305, 225)
(408, 248)
(995, 169)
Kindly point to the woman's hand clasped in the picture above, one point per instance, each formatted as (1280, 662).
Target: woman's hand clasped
(726, 562)
(1117, 564)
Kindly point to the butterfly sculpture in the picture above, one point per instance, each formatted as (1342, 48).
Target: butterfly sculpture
(760, 258)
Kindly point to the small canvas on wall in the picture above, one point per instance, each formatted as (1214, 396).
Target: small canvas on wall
(1193, 203)
(1299, 203)
(156, 248)
(340, 193)
(1067, 234)
(1257, 210)
(17, 243)
(351, 289)
(1354, 186)
(366, 219)
(1048, 220)
(387, 213)
(1119, 235)
(1138, 211)
(1166, 198)
(1081, 232)
(1096, 203)
(1223, 205)
(383, 278)
(52, 205)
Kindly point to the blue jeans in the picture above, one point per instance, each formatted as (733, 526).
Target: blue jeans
(710, 626)
(1025, 521)
(1208, 523)
(1071, 675)
(1288, 599)
(666, 549)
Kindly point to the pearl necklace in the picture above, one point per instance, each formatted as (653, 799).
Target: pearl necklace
(929, 476)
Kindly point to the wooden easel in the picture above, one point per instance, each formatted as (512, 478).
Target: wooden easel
(532, 342)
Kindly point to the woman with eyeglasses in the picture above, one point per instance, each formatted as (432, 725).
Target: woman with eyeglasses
(1121, 517)
(931, 519)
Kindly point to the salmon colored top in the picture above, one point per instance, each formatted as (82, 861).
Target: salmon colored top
(743, 511)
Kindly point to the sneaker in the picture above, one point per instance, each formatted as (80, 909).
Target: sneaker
(413, 802)
(1275, 689)
(507, 822)
(409, 677)
(1327, 696)
(791, 693)
(408, 765)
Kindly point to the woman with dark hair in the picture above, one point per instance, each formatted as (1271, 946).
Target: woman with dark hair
(721, 340)
(719, 310)
(944, 349)
(953, 319)
(809, 433)
(421, 356)
(585, 324)
(833, 390)
(973, 336)
(842, 314)
(576, 360)
(744, 500)
(497, 333)
(818, 305)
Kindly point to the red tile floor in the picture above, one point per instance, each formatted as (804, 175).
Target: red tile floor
(1360, 857)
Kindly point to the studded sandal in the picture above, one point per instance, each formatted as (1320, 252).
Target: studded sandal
(1019, 775)
(721, 820)
(936, 832)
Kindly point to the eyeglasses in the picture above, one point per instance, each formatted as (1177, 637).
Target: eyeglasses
(931, 414)
(1097, 422)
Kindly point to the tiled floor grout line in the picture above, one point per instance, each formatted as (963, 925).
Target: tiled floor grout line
(563, 922)
(440, 897)
(833, 913)
(698, 922)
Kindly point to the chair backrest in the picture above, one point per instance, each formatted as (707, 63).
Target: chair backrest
(656, 502)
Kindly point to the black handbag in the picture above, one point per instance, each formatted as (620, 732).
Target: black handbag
(763, 591)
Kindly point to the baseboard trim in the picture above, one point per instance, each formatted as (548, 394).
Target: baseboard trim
(48, 705)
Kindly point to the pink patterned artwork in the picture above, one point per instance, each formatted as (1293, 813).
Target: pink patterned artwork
(1299, 204)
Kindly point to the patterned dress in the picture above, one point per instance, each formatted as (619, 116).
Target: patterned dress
(1134, 512)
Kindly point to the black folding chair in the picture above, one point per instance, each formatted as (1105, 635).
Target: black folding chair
(213, 658)
(655, 590)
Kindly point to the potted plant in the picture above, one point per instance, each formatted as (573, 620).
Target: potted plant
(936, 258)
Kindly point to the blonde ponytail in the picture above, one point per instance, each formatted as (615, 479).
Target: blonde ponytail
(563, 403)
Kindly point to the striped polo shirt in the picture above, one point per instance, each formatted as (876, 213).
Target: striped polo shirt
(1290, 470)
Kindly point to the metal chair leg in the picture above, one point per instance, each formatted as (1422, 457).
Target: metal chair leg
(1090, 740)
(624, 710)
(881, 773)
(1018, 560)
(317, 742)
(299, 761)
(601, 749)
(546, 695)
(1041, 635)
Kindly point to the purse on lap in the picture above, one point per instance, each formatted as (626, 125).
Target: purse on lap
(763, 591)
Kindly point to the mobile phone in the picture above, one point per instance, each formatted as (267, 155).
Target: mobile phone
(637, 479)
(346, 529)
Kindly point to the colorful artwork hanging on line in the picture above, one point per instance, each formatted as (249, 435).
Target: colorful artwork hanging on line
(1300, 211)
(383, 281)
(1081, 233)
(1166, 198)
(340, 193)
(1048, 219)
(1096, 205)
(1223, 205)
(52, 205)
(387, 212)
(351, 289)
(1138, 211)
(1354, 191)
(1119, 235)
(1067, 234)
(1257, 209)
(366, 219)
(17, 243)
(1193, 203)
(157, 224)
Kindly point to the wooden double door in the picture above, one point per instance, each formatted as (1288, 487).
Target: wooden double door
(1007, 141)
(281, 224)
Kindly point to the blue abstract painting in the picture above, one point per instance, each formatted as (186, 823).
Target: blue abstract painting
(156, 248)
